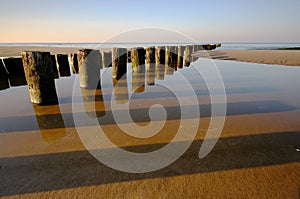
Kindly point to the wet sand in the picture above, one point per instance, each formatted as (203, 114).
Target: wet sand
(42, 156)
(278, 57)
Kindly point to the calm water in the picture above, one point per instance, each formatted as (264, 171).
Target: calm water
(262, 123)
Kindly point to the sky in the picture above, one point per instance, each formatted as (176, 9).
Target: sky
(106, 20)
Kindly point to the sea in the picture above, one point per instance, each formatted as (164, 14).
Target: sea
(225, 46)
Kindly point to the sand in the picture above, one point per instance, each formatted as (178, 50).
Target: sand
(278, 57)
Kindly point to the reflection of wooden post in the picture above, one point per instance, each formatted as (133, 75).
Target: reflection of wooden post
(106, 59)
(54, 67)
(180, 56)
(187, 55)
(93, 102)
(121, 90)
(74, 63)
(63, 65)
(160, 62)
(119, 62)
(137, 58)
(3, 77)
(138, 79)
(52, 126)
(89, 68)
(150, 65)
(39, 76)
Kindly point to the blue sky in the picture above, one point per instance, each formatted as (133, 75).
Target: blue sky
(210, 20)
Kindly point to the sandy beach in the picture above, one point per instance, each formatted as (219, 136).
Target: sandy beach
(257, 155)
(278, 57)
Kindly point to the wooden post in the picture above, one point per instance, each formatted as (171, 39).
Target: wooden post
(137, 58)
(174, 53)
(119, 62)
(74, 63)
(169, 70)
(150, 66)
(63, 65)
(180, 56)
(160, 55)
(160, 62)
(3, 77)
(106, 59)
(187, 55)
(89, 68)
(14, 66)
(15, 70)
(39, 76)
(54, 67)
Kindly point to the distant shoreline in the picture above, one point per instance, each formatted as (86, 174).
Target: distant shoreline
(287, 57)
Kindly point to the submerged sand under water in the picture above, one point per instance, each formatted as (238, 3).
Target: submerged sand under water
(257, 155)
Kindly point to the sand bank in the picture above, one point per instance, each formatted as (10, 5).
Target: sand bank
(279, 57)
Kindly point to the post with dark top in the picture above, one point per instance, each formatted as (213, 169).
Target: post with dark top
(180, 56)
(54, 67)
(63, 65)
(119, 62)
(39, 76)
(187, 55)
(74, 63)
(150, 65)
(89, 68)
(106, 59)
(160, 62)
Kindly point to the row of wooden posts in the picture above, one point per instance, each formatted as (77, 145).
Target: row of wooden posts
(40, 67)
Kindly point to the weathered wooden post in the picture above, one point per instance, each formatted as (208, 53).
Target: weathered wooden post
(119, 62)
(169, 63)
(106, 59)
(89, 68)
(150, 65)
(15, 70)
(74, 63)
(54, 66)
(180, 56)
(187, 55)
(174, 52)
(52, 126)
(63, 65)
(39, 76)
(160, 62)
(138, 69)
(137, 58)
(3, 77)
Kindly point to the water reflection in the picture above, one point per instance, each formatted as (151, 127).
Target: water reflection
(138, 79)
(93, 102)
(121, 90)
(50, 122)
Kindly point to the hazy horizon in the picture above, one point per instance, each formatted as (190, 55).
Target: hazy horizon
(74, 21)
